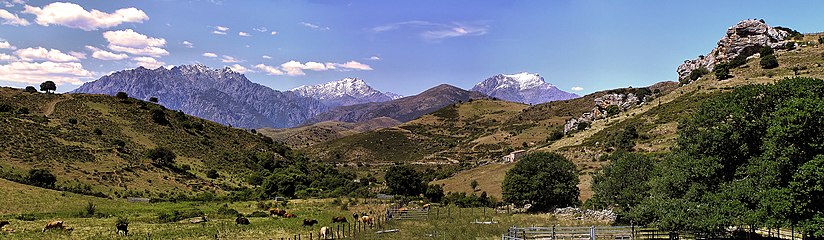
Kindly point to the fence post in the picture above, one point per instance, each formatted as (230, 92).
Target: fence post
(553, 231)
(592, 233)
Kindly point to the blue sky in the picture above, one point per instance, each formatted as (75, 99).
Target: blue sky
(398, 46)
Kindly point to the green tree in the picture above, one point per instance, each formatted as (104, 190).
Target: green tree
(153, 99)
(162, 156)
(159, 117)
(545, 180)
(621, 183)
(768, 62)
(722, 71)
(624, 140)
(122, 95)
(474, 185)
(48, 87)
(613, 110)
(41, 178)
(403, 180)
(434, 193)
(30, 89)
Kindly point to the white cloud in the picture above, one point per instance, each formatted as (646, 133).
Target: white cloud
(355, 66)
(375, 58)
(208, 54)
(79, 55)
(39, 53)
(269, 69)
(577, 89)
(38, 72)
(437, 31)
(221, 28)
(135, 43)
(187, 44)
(12, 19)
(7, 58)
(295, 68)
(260, 29)
(229, 59)
(274, 33)
(11, 3)
(74, 16)
(218, 32)
(457, 31)
(313, 26)
(266, 57)
(244, 34)
(6, 45)
(238, 68)
(148, 62)
(106, 55)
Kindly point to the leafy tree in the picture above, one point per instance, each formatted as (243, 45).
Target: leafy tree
(403, 180)
(621, 183)
(722, 71)
(613, 110)
(768, 62)
(583, 125)
(48, 86)
(820, 40)
(474, 185)
(624, 140)
(122, 95)
(41, 178)
(546, 180)
(153, 99)
(159, 117)
(162, 156)
(766, 51)
(434, 193)
(30, 89)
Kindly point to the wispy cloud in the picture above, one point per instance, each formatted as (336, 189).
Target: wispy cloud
(577, 89)
(187, 44)
(220, 30)
(432, 31)
(374, 58)
(229, 59)
(211, 55)
(314, 26)
(244, 34)
(12, 19)
(260, 29)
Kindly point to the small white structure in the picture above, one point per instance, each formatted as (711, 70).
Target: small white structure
(513, 156)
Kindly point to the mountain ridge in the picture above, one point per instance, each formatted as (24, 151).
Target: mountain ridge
(524, 87)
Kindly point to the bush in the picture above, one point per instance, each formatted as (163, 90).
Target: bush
(403, 180)
(162, 156)
(98, 132)
(769, 62)
(122, 95)
(211, 173)
(258, 214)
(583, 125)
(555, 135)
(618, 184)
(159, 117)
(72, 121)
(820, 40)
(23, 110)
(5, 107)
(30, 89)
(697, 73)
(434, 193)
(722, 71)
(41, 178)
(545, 180)
(613, 110)
(766, 51)
(153, 99)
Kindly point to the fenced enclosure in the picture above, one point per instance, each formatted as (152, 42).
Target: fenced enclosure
(571, 233)
(407, 214)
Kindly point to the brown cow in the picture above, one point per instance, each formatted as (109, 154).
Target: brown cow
(367, 220)
(277, 212)
(54, 225)
(309, 222)
(338, 220)
(289, 215)
(426, 206)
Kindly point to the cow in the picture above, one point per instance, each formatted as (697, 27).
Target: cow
(325, 232)
(122, 227)
(289, 215)
(199, 219)
(3, 224)
(309, 222)
(54, 225)
(355, 216)
(403, 211)
(338, 220)
(426, 207)
(367, 220)
(277, 212)
(241, 221)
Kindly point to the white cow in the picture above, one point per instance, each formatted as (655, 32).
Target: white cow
(325, 232)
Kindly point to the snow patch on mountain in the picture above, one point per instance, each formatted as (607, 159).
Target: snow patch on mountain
(522, 87)
(344, 92)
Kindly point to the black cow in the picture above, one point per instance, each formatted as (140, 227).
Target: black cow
(241, 221)
(122, 227)
(309, 222)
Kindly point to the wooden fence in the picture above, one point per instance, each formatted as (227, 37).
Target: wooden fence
(571, 233)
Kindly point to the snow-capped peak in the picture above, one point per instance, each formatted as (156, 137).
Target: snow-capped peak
(527, 80)
(347, 91)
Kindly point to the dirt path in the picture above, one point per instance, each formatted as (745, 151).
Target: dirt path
(50, 106)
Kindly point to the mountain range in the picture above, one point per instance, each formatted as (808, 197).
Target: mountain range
(345, 92)
(529, 88)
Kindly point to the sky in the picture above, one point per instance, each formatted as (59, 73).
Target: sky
(403, 47)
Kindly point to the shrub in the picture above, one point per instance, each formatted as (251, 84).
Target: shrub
(820, 40)
(789, 45)
(119, 143)
(30, 89)
(766, 51)
(698, 73)
(161, 156)
(619, 183)
(555, 135)
(98, 132)
(153, 99)
(434, 193)
(23, 110)
(583, 125)
(211, 173)
(41, 178)
(474, 185)
(769, 62)
(258, 214)
(722, 71)
(122, 95)
(546, 180)
(613, 110)
(159, 117)
(5, 107)
(72, 121)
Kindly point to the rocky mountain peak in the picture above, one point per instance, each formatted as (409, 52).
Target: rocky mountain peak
(744, 38)
(344, 92)
(521, 87)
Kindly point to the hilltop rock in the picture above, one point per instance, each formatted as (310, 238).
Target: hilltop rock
(745, 38)
(622, 98)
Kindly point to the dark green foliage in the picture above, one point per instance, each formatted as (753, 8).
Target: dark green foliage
(403, 180)
(613, 110)
(211, 173)
(153, 99)
(793, 33)
(122, 95)
(72, 120)
(621, 184)
(159, 117)
(461, 199)
(555, 135)
(41, 178)
(789, 45)
(98, 132)
(695, 75)
(624, 140)
(122, 220)
(546, 180)
(30, 89)
(751, 157)
(722, 71)
(4, 107)
(48, 87)
(434, 193)
(769, 62)
(820, 40)
(766, 51)
(161, 156)
(228, 212)
(22, 110)
(474, 185)
(583, 125)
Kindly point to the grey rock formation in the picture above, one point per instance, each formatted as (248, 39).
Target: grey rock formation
(745, 38)
(623, 101)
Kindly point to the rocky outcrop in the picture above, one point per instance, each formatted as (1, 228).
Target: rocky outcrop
(622, 100)
(745, 38)
(571, 213)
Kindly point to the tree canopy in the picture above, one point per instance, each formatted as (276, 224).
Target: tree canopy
(48, 86)
(404, 180)
(545, 180)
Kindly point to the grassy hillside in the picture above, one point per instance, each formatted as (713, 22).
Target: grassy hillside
(305, 136)
(657, 122)
(98, 143)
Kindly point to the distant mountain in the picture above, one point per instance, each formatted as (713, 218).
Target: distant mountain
(220, 95)
(402, 109)
(523, 87)
(344, 92)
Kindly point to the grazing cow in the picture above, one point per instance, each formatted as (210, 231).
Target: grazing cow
(325, 232)
(3, 224)
(199, 219)
(122, 227)
(54, 225)
(367, 220)
(338, 219)
(355, 216)
(309, 222)
(403, 211)
(289, 215)
(426, 207)
(241, 221)
(277, 212)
